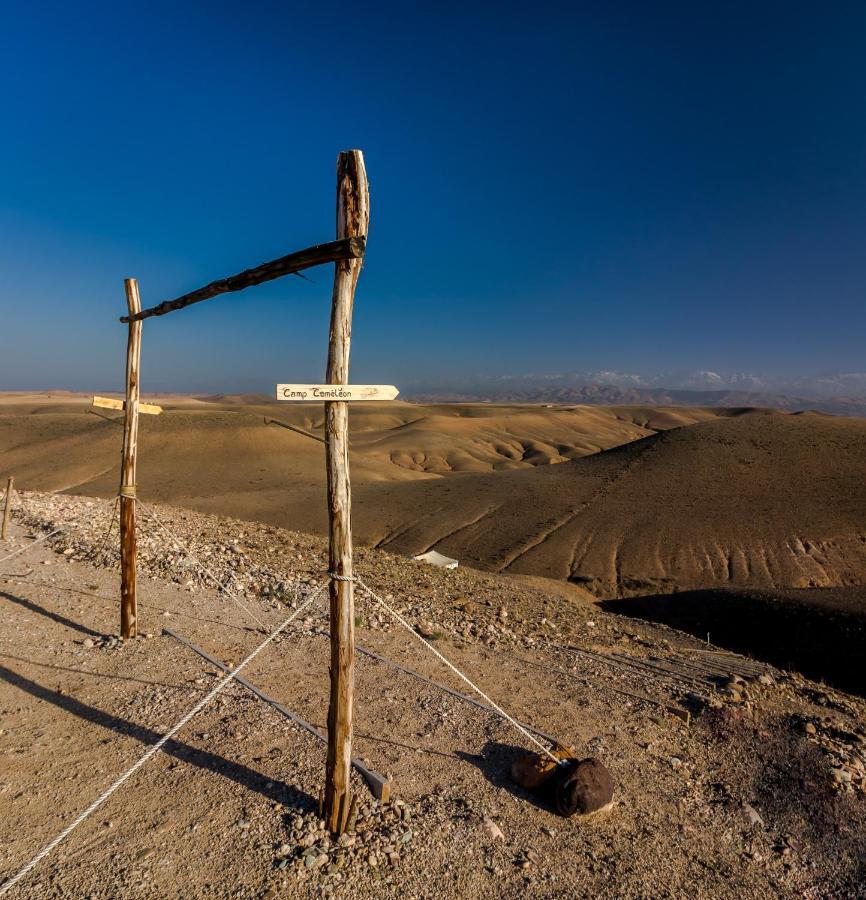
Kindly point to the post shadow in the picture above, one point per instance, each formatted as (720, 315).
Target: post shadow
(104, 675)
(55, 617)
(151, 606)
(203, 759)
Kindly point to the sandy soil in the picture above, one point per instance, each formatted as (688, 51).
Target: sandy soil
(621, 501)
(761, 797)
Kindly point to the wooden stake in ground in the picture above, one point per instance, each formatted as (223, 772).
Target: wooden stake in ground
(7, 507)
(353, 216)
(128, 603)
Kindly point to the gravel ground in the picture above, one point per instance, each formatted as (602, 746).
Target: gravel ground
(762, 796)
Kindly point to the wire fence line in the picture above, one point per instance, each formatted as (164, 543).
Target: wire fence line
(156, 747)
(69, 526)
(150, 512)
(225, 681)
(402, 621)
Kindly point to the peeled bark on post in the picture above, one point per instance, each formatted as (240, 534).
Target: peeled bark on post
(353, 216)
(7, 506)
(128, 602)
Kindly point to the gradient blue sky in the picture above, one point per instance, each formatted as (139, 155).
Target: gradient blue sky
(638, 186)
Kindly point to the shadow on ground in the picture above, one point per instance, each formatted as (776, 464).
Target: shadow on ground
(203, 759)
(820, 632)
(49, 614)
(494, 763)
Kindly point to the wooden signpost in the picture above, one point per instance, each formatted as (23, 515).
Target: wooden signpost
(131, 408)
(353, 218)
(128, 598)
(347, 253)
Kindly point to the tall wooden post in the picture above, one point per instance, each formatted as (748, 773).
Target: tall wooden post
(353, 216)
(128, 603)
(7, 507)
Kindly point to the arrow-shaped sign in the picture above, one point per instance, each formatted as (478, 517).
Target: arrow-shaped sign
(350, 392)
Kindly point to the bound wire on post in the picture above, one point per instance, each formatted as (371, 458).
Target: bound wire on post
(397, 617)
(155, 748)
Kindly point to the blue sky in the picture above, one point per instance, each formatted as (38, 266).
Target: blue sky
(633, 186)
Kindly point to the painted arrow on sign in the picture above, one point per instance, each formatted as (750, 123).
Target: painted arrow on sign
(349, 392)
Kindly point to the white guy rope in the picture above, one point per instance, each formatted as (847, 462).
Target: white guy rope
(152, 750)
(149, 511)
(450, 665)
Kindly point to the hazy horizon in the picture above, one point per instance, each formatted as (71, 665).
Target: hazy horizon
(827, 385)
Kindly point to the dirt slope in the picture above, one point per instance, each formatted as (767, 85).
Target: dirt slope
(761, 499)
(761, 797)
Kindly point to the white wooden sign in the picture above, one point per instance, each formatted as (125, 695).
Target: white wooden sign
(110, 403)
(308, 392)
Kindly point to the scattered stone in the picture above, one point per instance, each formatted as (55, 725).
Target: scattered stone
(493, 829)
(751, 815)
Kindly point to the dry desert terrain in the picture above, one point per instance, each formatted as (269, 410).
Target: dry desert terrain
(598, 547)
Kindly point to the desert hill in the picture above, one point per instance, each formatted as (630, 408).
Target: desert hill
(621, 500)
(758, 499)
(563, 391)
(217, 453)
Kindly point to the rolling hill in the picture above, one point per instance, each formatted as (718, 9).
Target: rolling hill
(619, 500)
(759, 498)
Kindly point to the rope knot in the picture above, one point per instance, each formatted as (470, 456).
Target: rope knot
(336, 577)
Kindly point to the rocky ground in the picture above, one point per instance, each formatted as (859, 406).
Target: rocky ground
(761, 795)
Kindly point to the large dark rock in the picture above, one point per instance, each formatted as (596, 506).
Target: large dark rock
(582, 788)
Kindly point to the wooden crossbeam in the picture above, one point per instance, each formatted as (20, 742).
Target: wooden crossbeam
(317, 255)
(111, 403)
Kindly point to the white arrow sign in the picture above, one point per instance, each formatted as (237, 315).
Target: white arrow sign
(308, 392)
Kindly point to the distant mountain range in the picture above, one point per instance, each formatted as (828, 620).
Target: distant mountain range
(836, 393)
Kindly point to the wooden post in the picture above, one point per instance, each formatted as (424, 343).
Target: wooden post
(128, 603)
(7, 507)
(353, 216)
